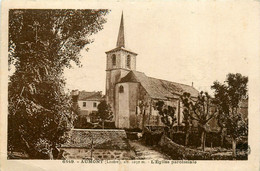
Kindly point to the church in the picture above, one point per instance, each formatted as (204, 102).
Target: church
(133, 95)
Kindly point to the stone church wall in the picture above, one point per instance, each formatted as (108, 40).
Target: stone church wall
(113, 77)
(122, 106)
(121, 56)
(129, 112)
(133, 95)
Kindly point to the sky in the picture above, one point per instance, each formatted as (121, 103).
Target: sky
(184, 42)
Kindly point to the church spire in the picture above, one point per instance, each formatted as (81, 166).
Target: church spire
(121, 36)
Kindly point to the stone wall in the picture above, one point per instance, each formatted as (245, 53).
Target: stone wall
(177, 151)
(112, 77)
(121, 56)
(96, 144)
(101, 154)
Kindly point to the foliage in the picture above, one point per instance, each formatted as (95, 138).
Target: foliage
(186, 116)
(41, 44)
(143, 106)
(168, 115)
(228, 99)
(104, 112)
(199, 110)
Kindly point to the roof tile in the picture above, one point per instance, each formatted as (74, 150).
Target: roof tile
(84, 95)
(97, 139)
(158, 88)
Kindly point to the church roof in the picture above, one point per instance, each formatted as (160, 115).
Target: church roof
(158, 88)
(120, 45)
(121, 35)
(121, 48)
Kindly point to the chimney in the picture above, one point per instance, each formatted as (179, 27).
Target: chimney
(192, 84)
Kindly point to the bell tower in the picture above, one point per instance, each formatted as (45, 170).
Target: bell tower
(119, 62)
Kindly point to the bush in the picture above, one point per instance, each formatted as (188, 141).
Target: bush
(108, 125)
(152, 138)
(214, 139)
(179, 138)
(132, 135)
(133, 130)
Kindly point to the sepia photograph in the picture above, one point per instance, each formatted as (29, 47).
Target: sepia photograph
(155, 83)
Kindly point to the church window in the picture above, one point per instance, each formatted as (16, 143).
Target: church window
(94, 104)
(84, 104)
(128, 61)
(114, 59)
(121, 89)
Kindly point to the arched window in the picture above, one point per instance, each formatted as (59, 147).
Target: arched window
(121, 89)
(128, 61)
(114, 59)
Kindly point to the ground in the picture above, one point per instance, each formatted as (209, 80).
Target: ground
(146, 152)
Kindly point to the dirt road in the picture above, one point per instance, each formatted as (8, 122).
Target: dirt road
(144, 152)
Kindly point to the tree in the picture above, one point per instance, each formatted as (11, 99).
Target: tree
(199, 110)
(167, 113)
(143, 105)
(104, 112)
(42, 43)
(186, 117)
(228, 99)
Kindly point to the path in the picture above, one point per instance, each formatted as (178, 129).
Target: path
(146, 152)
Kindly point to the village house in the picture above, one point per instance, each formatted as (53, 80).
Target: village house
(132, 95)
(87, 102)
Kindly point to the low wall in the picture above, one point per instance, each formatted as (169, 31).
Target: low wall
(179, 152)
(101, 154)
(97, 144)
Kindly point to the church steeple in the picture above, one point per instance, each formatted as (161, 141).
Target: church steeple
(121, 35)
(120, 57)
(120, 61)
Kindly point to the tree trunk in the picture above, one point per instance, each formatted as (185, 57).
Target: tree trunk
(222, 134)
(222, 141)
(103, 124)
(203, 140)
(50, 154)
(187, 135)
(234, 147)
(187, 138)
(143, 123)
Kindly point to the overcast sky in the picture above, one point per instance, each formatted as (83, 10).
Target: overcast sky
(183, 42)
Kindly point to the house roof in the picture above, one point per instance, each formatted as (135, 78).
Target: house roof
(112, 139)
(157, 88)
(84, 95)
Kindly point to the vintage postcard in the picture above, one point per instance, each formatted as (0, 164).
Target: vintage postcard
(130, 85)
